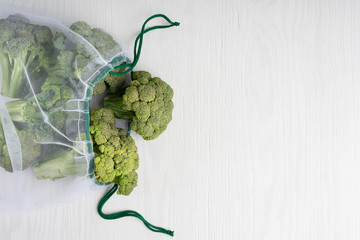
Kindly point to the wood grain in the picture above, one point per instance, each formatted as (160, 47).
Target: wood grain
(265, 138)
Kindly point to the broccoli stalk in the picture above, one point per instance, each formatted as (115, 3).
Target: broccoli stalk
(23, 111)
(5, 67)
(59, 164)
(22, 46)
(16, 110)
(115, 102)
(29, 112)
(17, 79)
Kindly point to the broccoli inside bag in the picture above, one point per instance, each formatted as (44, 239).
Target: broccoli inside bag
(48, 71)
(49, 153)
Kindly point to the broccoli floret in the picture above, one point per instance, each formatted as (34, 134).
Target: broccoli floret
(115, 153)
(81, 64)
(147, 103)
(66, 93)
(59, 41)
(103, 115)
(113, 82)
(102, 131)
(103, 125)
(63, 66)
(117, 157)
(125, 155)
(61, 62)
(58, 164)
(55, 91)
(42, 123)
(99, 88)
(100, 40)
(126, 183)
(58, 118)
(30, 149)
(81, 28)
(22, 44)
(24, 111)
(104, 168)
(48, 96)
(103, 42)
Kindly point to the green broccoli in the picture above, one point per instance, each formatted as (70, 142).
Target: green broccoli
(58, 87)
(113, 82)
(61, 62)
(22, 45)
(103, 126)
(81, 64)
(99, 88)
(82, 28)
(55, 92)
(5, 161)
(59, 41)
(126, 183)
(38, 121)
(103, 115)
(30, 149)
(24, 111)
(63, 65)
(106, 47)
(101, 40)
(115, 153)
(147, 103)
(116, 157)
(58, 164)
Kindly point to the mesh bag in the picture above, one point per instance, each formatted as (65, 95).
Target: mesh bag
(48, 71)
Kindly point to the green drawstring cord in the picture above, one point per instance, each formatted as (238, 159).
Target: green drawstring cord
(137, 51)
(139, 41)
(127, 213)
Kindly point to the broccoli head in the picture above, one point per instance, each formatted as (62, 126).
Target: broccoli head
(42, 122)
(103, 42)
(115, 153)
(126, 183)
(82, 28)
(30, 149)
(99, 87)
(103, 115)
(24, 111)
(22, 45)
(59, 41)
(103, 125)
(113, 82)
(147, 103)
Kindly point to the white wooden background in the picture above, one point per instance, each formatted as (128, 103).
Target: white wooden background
(266, 132)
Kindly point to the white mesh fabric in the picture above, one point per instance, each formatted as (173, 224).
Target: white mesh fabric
(20, 188)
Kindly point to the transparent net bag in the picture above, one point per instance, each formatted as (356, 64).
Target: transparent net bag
(49, 72)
